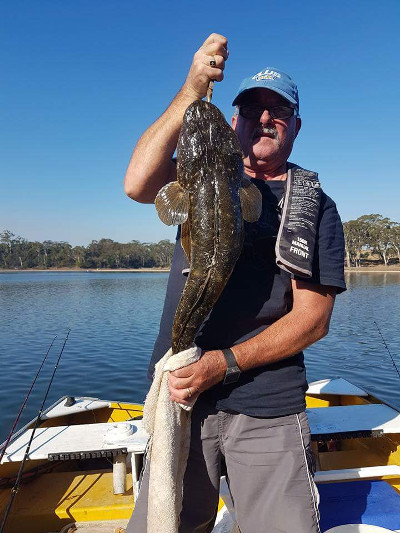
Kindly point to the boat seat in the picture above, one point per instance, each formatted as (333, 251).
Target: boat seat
(352, 474)
(85, 441)
(360, 502)
(352, 421)
(79, 441)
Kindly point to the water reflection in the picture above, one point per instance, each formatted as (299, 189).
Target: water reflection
(368, 279)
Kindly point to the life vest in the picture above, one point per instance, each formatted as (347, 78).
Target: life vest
(296, 238)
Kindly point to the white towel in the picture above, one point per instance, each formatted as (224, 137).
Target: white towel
(168, 424)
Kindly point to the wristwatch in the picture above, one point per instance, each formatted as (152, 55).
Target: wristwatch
(232, 373)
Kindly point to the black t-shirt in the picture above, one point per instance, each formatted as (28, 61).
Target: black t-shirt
(257, 294)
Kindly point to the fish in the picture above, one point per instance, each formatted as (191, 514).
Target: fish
(210, 199)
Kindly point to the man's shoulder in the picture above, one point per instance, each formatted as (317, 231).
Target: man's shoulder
(328, 204)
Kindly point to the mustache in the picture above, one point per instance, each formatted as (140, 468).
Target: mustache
(265, 130)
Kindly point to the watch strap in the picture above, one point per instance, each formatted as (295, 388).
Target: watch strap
(232, 373)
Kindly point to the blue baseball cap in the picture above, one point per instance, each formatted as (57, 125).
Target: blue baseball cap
(273, 79)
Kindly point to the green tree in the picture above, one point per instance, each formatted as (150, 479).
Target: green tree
(356, 237)
(395, 238)
(21, 250)
(378, 234)
(132, 255)
(7, 241)
(162, 253)
(78, 254)
(92, 255)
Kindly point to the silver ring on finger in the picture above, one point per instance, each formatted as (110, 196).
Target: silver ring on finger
(189, 391)
(213, 63)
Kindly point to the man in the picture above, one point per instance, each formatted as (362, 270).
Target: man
(256, 428)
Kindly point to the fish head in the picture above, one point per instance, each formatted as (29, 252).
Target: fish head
(206, 142)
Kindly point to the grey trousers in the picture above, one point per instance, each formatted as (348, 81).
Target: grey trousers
(269, 473)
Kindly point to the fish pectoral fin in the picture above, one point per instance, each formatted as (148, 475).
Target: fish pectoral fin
(172, 204)
(250, 201)
(185, 239)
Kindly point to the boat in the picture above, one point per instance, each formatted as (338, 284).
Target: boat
(83, 468)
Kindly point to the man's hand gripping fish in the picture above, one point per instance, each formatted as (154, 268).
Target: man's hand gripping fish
(210, 198)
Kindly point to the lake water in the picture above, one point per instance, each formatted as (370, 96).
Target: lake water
(114, 320)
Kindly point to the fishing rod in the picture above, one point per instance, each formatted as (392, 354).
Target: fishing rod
(210, 87)
(3, 450)
(15, 488)
(387, 348)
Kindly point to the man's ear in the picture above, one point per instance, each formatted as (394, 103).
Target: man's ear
(298, 125)
(234, 121)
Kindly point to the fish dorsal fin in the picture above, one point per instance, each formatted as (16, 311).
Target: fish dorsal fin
(172, 204)
(250, 200)
(185, 239)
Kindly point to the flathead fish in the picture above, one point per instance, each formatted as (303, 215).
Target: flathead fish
(210, 198)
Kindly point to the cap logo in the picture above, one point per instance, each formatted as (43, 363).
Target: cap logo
(266, 75)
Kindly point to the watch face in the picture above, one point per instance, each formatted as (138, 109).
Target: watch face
(233, 371)
(232, 375)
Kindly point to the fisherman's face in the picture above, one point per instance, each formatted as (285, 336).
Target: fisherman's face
(266, 142)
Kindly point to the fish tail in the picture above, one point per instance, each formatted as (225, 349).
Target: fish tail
(197, 300)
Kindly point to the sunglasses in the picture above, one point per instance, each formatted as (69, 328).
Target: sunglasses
(254, 112)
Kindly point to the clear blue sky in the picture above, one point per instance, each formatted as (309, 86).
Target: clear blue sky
(82, 79)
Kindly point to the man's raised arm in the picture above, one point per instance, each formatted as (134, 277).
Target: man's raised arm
(151, 166)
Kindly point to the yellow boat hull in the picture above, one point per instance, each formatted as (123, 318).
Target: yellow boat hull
(54, 495)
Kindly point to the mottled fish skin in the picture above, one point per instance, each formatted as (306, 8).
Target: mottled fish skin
(210, 167)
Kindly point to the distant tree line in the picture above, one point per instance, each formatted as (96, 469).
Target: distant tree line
(371, 235)
(19, 253)
(368, 237)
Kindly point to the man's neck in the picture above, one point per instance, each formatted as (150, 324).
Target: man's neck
(278, 174)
